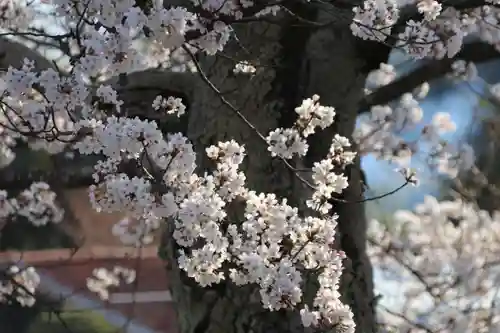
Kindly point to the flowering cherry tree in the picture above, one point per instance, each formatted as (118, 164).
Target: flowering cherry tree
(230, 125)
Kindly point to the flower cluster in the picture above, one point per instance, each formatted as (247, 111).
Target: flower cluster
(133, 232)
(380, 132)
(273, 246)
(447, 256)
(16, 14)
(169, 105)
(374, 20)
(463, 71)
(103, 279)
(287, 142)
(19, 285)
(162, 184)
(326, 180)
(439, 33)
(37, 204)
(244, 67)
(25, 110)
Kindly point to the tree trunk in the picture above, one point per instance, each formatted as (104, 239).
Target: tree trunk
(293, 63)
(336, 71)
(228, 308)
(297, 63)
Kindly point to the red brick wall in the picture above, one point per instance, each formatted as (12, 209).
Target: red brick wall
(96, 226)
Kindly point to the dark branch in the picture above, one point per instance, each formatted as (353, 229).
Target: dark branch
(410, 12)
(466, 4)
(28, 168)
(476, 52)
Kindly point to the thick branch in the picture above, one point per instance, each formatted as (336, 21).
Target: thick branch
(477, 52)
(466, 4)
(410, 12)
(13, 54)
(29, 167)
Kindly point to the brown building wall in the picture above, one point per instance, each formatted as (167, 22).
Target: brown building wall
(95, 227)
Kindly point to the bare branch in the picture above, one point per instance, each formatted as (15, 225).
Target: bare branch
(476, 52)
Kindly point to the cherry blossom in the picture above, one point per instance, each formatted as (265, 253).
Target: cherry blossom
(56, 112)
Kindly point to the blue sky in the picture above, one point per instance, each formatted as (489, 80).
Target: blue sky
(457, 99)
(461, 102)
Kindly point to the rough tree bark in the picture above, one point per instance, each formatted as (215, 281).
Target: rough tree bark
(296, 64)
(336, 68)
(293, 63)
